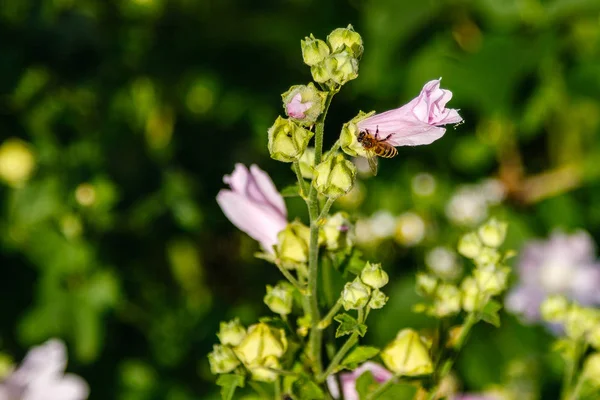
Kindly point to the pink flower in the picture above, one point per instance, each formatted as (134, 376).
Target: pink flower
(296, 108)
(41, 376)
(253, 204)
(348, 380)
(417, 122)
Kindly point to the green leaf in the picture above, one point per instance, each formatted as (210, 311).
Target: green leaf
(490, 313)
(359, 355)
(348, 325)
(366, 384)
(290, 191)
(228, 385)
(305, 389)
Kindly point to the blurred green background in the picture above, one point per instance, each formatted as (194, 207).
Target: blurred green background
(118, 119)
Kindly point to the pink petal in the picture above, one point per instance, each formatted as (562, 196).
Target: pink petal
(238, 180)
(295, 108)
(268, 189)
(332, 385)
(379, 373)
(46, 360)
(69, 387)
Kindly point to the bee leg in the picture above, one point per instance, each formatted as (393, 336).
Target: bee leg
(377, 132)
(387, 137)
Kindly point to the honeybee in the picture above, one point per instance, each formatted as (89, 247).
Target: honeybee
(376, 147)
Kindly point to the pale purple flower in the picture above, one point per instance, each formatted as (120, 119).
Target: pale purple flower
(253, 204)
(296, 108)
(41, 376)
(416, 123)
(348, 380)
(564, 264)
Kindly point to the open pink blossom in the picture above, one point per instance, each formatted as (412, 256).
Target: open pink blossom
(41, 376)
(296, 108)
(253, 204)
(348, 380)
(416, 123)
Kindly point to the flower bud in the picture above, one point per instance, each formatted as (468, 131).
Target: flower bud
(591, 369)
(292, 244)
(320, 73)
(287, 140)
(580, 321)
(304, 324)
(374, 276)
(407, 355)
(262, 372)
(337, 231)
(341, 66)
(426, 284)
(554, 308)
(306, 162)
(304, 104)
(279, 298)
(222, 360)
(491, 279)
(261, 342)
(447, 300)
(378, 299)
(334, 176)
(469, 245)
(313, 50)
(348, 37)
(17, 162)
(486, 256)
(594, 337)
(471, 295)
(355, 295)
(493, 232)
(232, 332)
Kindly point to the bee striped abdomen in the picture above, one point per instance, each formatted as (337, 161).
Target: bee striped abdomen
(385, 150)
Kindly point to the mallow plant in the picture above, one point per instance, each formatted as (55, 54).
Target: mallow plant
(311, 346)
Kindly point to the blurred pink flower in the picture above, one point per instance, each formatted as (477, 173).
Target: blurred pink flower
(417, 122)
(296, 108)
(479, 396)
(348, 380)
(41, 376)
(253, 204)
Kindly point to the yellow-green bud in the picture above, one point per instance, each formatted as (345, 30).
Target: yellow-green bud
(493, 232)
(469, 245)
(554, 308)
(374, 276)
(261, 342)
(279, 298)
(222, 359)
(486, 256)
(491, 279)
(378, 299)
(17, 162)
(304, 103)
(320, 73)
(580, 321)
(471, 295)
(334, 176)
(262, 373)
(591, 369)
(426, 284)
(348, 137)
(292, 245)
(447, 300)
(313, 50)
(337, 231)
(594, 337)
(341, 66)
(304, 324)
(232, 332)
(307, 161)
(287, 140)
(341, 37)
(407, 355)
(355, 295)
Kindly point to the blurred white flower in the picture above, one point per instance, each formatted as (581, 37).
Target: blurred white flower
(423, 184)
(383, 224)
(41, 376)
(469, 205)
(443, 262)
(410, 229)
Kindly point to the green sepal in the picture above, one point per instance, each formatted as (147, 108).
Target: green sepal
(359, 355)
(348, 325)
(306, 389)
(290, 191)
(489, 313)
(229, 383)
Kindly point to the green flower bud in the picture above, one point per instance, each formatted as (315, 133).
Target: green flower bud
(232, 332)
(17, 162)
(426, 284)
(580, 321)
(292, 245)
(378, 299)
(471, 295)
(407, 355)
(491, 279)
(337, 231)
(469, 245)
(355, 295)
(304, 104)
(287, 140)
(594, 337)
(307, 161)
(222, 360)
(346, 37)
(486, 256)
(341, 66)
(334, 176)
(262, 372)
(493, 232)
(304, 324)
(313, 50)
(554, 308)
(447, 301)
(279, 298)
(320, 73)
(374, 276)
(261, 342)
(348, 137)
(591, 369)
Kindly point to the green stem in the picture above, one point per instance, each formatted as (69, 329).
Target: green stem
(326, 321)
(339, 356)
(282, 372)
(301, 181)
(567, 392)
(277, 388)
(382, 388)
(578, 386)
(291, 278)
(325, 209)
(259, 390)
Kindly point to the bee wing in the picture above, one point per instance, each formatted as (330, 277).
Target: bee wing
(372, 159)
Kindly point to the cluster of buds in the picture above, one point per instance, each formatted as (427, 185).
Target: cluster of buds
(334, 176)
(408, 355)
(258, 349)
(334, 62)
(364, 289)
(280, 298)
